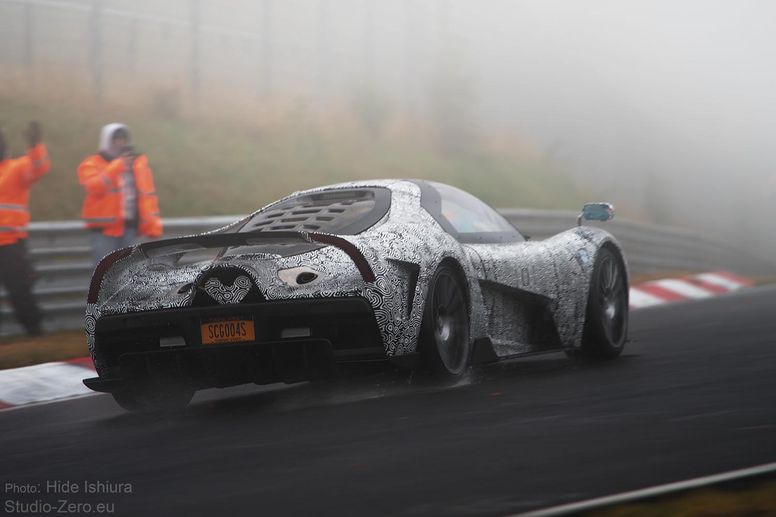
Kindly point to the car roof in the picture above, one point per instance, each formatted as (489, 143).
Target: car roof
(384, 183)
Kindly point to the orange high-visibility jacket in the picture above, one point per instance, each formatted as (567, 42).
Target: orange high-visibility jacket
(16, 178)
(104, 204)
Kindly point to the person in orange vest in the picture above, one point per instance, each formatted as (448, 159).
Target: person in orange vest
(16, 272)
(121, 204)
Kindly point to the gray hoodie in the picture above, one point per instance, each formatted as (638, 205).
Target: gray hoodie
(128, 187)
(106, 137)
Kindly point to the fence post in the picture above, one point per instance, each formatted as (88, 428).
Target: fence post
(95, 46)
(324, 32)
(412, 52)
(132, 50)
(369, 43)
(194, 78)
(29, 41)
(265, 66)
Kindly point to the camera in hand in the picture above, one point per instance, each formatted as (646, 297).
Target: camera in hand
(129, 151)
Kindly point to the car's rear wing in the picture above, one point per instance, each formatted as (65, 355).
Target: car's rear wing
(223, 240)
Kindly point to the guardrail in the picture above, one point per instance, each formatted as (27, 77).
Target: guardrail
(651, 248)
(61, 252)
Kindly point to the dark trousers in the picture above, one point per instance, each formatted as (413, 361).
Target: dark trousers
(17, 276)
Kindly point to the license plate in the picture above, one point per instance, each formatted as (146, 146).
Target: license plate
(234, 330)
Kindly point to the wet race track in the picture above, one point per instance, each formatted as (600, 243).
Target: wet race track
(693, 394)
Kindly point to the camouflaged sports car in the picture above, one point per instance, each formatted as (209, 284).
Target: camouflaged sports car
(418, 273)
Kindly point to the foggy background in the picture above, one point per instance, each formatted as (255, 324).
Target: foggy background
(665, 108)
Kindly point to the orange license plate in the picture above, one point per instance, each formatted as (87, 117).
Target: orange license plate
(227, 331)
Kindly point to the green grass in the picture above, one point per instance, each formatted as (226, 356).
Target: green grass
(212, 167)
(18, 351)
(759, 498)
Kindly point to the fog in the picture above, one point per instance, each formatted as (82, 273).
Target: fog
(669, 105)
(665, 108)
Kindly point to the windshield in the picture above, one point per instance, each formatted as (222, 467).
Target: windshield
(467, 214)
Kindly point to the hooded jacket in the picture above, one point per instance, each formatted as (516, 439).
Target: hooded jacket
(103, 177)
(16, 178)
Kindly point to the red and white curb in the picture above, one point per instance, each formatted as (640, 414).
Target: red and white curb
(695, 287)
(44, 382)
(61, 380)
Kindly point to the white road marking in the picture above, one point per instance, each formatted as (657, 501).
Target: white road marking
(42, 382)
(639, 299)
(714, 278)
(683, 288)
(54, 401)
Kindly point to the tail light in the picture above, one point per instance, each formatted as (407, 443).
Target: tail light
(102, 268)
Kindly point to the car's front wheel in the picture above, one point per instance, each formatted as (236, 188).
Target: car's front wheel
(444, 335)
(154, 396)
(606, 318)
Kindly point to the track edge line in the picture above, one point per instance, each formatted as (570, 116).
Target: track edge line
(658, 490)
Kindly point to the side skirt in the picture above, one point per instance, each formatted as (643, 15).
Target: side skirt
(485, 352)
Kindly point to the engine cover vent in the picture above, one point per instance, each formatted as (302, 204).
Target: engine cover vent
(225, 286)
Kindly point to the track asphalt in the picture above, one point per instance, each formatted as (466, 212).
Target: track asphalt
(694, 394)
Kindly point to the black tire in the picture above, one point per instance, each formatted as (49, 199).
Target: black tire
(152, 397)
(444, 343)
(606, 317)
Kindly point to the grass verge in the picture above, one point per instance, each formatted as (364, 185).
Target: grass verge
(213, 167)
(16, 352)
(758, 499)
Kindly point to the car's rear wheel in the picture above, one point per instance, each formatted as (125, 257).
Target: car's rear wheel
(445, 345)
(154, 396)
(606, 319)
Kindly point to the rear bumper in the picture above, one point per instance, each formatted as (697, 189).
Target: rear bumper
(167, 343)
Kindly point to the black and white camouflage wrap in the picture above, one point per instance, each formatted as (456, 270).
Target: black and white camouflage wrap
(407, 239)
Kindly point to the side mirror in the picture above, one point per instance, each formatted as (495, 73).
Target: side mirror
(596, 212)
